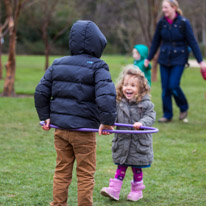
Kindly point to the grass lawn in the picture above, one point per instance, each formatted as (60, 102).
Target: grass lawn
(27, 155)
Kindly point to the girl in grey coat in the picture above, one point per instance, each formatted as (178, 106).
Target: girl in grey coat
(134, 150)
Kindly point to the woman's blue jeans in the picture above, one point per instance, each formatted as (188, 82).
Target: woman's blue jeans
(170, 78)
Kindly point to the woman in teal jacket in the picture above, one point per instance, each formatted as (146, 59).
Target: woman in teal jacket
(140, 53)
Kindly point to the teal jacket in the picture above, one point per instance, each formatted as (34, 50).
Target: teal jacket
(143, 51)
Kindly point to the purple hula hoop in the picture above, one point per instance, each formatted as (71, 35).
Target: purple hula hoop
(143, 129)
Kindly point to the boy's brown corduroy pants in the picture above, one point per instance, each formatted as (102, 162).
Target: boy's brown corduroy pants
(71, 146)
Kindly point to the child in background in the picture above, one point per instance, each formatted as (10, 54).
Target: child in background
(140, 53)
(77, 91)
(132, 150)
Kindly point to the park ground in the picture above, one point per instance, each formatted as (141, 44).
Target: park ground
(27, 155)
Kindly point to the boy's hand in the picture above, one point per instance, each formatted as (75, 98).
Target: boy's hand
(137, 125)
(46, 125)
(102, 127)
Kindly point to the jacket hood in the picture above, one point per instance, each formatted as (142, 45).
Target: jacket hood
(146, 97)
(86, 38)
(143, 50)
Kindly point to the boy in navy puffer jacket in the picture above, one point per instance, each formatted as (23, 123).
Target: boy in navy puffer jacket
(77, 91)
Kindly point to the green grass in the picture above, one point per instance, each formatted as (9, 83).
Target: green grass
(27, 155)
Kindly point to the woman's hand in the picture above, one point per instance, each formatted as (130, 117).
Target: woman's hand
(46, 125)
(102, 127)
(137, 125)
(203, 69)
(146, 63)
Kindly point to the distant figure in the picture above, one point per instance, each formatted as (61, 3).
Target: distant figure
(174, 35)
(140, 53)
(77, 91)
(132, 150)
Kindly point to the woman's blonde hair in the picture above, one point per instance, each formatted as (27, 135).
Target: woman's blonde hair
(133, 71)
(174, 4)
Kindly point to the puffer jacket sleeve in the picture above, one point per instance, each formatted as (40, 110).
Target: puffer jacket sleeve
(42, 95)
(190, 38)
(105, 95)
(155, 41)
(149, 115)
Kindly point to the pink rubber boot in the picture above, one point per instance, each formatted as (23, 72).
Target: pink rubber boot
(136, 191)
(113, 190)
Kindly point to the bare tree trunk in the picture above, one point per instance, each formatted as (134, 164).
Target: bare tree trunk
(1, 36)
(11, 64)
(49, 7)
(46, 43)
(0, 56)
(10, 67)
(47, 58)
(154, 11)
(155, 67)
(3, 31)
(204, 29)
(153, 8)
(141, 20)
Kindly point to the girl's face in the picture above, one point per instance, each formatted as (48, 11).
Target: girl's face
(135, 54)
(168, 10)
(130, 87)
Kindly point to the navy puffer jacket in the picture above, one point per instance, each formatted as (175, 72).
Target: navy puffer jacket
(77, 91)
(174, 39)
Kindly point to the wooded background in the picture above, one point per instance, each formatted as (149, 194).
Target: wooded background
(42, 26)
(124, 23)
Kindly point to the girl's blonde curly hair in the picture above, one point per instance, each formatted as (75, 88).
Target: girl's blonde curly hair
(142, 82)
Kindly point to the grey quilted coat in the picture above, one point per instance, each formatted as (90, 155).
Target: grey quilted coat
(134, 149)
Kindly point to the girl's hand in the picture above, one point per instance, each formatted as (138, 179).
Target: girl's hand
(137, 125)
(46, 125)
(146, 63)
(102, 127)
